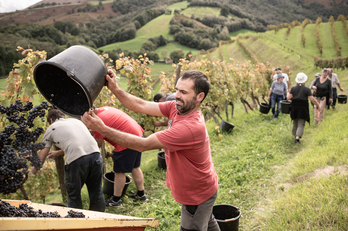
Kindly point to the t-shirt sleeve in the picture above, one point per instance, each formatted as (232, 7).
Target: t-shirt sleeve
(178, 137)
(309, 92)
(166, 107)
(47, 138)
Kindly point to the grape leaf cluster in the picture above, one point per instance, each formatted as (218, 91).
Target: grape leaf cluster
(18, 136)
(24, 210)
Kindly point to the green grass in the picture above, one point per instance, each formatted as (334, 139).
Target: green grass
(311, 42)
(130, 45)
(233, 51)
(326, 38)
(178, 6)
(342, 38)
(200, 12)
(156, 27)
(241, 32)
(94, 3)
(173, 46)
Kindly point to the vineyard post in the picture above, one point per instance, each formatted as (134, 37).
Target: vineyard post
(103, 152)
(177, 71)
(60, 171)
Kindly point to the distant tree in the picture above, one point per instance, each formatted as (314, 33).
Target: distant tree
(225, 11)
(176, 55)
(205, 44)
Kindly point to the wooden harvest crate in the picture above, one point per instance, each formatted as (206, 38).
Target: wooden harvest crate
(94, 220)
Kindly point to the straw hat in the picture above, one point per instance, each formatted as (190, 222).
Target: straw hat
(301, 78)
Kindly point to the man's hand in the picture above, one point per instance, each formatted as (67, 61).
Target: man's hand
(341, 89)
(34, 170)
(54, 154)
(93, 122)
(330, 100)
(111, 78)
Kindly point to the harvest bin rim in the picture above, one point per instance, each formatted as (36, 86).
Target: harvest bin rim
(93, 220)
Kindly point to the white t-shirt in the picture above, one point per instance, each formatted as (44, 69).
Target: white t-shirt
(72, 136)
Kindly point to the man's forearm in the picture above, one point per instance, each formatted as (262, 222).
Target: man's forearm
(129, 101)
(129, 140)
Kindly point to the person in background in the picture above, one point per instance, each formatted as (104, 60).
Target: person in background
(278, 71)
(317, 75)
(335, 83)
(323, 94)
(191, 175)
(159, 98)
(125, 159)
(83, 162)
(299, 113)
(276, 94)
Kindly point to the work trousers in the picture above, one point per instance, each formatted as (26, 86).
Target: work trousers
(334, 96)
(199, 217)
(298, 127)
(85, 170)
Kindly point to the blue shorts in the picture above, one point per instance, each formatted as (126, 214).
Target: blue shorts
(126, 160)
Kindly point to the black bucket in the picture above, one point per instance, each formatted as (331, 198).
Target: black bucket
(285, 106)
(264, 108)
(342, 99)
(161, 160)
(226, 126)
(108, 184)
(72, 79)
(227, 217)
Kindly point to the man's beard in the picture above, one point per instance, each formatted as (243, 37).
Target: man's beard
(186, 106)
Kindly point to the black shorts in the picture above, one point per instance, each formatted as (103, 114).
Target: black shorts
(126, 160)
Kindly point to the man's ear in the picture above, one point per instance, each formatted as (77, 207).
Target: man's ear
(200, 96)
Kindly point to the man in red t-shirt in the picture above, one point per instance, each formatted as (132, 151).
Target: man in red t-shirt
(191, 175)
(125, 159)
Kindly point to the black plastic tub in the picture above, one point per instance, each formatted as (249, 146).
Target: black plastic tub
(227, 217)
(226, 126)
(342, 99)
(264, 108)
(285, 106)
(161, 160)
(108, 184)
(71, 80)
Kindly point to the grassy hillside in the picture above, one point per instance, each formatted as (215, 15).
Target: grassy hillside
(200, 12)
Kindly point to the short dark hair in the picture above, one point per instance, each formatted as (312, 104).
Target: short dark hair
(325, 70)
(278, 69)
(201, 83)
(157, 97)
(54, 114)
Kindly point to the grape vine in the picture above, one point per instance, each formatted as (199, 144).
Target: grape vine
(19, 136)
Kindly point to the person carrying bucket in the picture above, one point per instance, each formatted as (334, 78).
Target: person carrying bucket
(125, 159)
(299, 113)
(191, 175)
(276, 94)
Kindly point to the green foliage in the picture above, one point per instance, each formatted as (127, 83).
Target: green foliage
(176, 55)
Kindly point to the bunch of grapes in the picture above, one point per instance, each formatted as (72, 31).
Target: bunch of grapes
(13, 166)
(7, 210)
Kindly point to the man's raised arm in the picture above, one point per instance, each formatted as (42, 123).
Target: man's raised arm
(130, 101)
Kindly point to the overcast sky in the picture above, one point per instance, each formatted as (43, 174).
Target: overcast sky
(13, 5)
